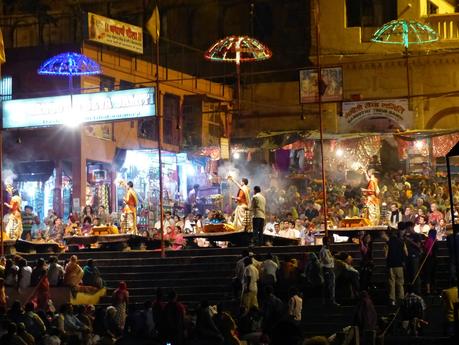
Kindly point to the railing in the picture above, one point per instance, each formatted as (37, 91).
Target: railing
(446, 25)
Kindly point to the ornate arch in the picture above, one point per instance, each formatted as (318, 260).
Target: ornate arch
(441, 114)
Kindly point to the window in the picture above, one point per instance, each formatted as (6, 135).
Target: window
(107, 83)
(370, 13)
(147, 129)
(126, 85)
(6, 88)
(171, 115)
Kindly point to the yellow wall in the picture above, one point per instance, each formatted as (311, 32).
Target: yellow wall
(370, 71)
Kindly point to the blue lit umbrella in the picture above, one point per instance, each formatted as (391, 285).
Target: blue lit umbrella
(69, 64)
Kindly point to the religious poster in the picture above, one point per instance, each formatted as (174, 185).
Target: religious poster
(331, 85)
(394, 111)
(100, 131)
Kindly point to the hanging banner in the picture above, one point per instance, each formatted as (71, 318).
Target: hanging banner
(115, 33)
(395, 110)
(73, 110)
(224, 148)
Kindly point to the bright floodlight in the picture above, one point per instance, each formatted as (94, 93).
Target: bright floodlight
(339, 153)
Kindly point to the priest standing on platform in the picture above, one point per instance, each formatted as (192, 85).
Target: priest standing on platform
(258, 212)
(129, 223)
(240, 213)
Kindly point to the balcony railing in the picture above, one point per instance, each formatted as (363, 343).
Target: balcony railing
(446, 25)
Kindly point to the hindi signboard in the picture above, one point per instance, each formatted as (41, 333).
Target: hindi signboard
(396, 110)
(77, 109)
(115, 33)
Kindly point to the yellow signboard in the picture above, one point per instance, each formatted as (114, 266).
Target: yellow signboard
(115, 33)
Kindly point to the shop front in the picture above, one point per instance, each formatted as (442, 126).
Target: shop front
(59, 151)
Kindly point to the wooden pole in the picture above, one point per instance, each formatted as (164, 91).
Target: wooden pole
(319, 71)
(159, 126)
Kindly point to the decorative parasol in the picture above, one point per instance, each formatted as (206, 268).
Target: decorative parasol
(405, 32)
(69, 64)
(237, 49)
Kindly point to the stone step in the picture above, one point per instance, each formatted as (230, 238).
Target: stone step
(186, 298)
(173, 274)
(180, 289)
(166, 283)
(208, 267)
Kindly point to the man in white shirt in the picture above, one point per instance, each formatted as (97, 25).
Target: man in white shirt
(422, 227)
(295, 306)
(269, 271)
(25, 274)
(168, 221)
(290, 232)
(55, 271)
(269, 227)
(394, 216)
(249, 285)
(258, 206)
(299, 225)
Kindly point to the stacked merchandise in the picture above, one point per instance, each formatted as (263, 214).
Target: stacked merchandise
(102, 195)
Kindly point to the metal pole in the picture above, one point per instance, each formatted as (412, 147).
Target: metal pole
(1, 193)
(453, 222)
(319, 71)
(159, 126)
(408, 86)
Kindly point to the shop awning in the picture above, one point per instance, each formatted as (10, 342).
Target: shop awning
(412, 135)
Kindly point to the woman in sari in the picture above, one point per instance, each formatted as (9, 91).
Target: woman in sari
(120, 302)
(73, 272)
(129, 212)
(14, 226)
(41, 294)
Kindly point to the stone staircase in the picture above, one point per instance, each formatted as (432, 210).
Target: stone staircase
(206, 274)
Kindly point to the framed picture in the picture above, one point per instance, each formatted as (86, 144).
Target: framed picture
(331, 85)
(99, 175)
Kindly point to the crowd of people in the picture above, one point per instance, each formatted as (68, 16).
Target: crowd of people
(269, 295)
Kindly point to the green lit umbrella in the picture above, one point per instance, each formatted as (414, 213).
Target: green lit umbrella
(405, 32)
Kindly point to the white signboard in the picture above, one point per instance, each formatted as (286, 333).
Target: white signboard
(77, 109)
(396, 110)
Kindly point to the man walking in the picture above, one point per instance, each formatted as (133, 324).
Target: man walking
(249, 285)
(395, 256)
(258, 211)
(327, 262)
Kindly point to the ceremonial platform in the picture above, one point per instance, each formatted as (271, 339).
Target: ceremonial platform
(121, 242)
